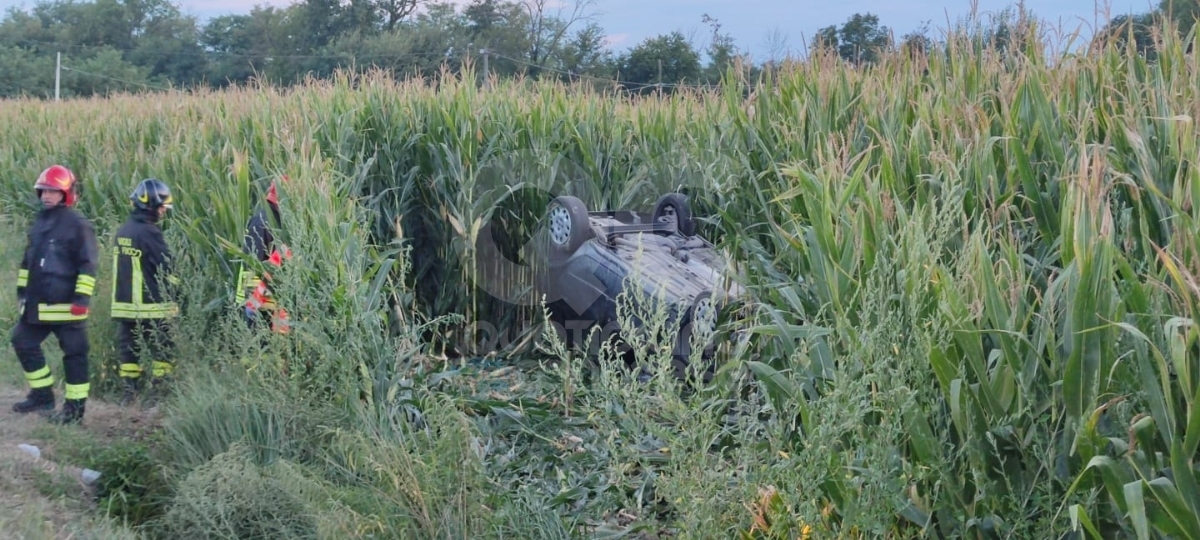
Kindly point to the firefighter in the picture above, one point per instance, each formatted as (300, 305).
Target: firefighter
(54, 289)
(254, 296)
(141, 302)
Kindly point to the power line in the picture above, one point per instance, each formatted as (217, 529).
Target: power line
(123, 81)
(614, 81)
(407, 55)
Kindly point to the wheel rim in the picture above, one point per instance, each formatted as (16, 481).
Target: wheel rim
(560, 225)
(703, 317)
(668, 212)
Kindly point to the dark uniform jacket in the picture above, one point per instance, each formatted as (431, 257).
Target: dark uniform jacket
(142, 271)
(260, 243)
(260, 239)
(59, 267)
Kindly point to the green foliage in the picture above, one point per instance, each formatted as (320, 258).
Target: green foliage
(1133, 31)
(666, 59)
(233, 497)
(972, 313)
(414, 475)
(210, 415)
(861, 38)
(131, 486)
(135, 46)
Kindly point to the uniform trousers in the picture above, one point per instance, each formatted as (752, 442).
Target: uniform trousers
(27, 341)
(139, 339)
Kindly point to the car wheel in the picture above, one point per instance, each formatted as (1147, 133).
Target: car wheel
(674, 207)
(569, 228)
(704, 316)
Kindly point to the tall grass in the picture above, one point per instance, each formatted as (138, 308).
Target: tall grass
(974, 282)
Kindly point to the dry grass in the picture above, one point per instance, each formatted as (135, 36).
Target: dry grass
(41, 499)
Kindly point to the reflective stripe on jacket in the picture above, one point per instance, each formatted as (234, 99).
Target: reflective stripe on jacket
(58, 269)
(141, 263)
(253, 290)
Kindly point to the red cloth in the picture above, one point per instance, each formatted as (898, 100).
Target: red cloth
(277, 256)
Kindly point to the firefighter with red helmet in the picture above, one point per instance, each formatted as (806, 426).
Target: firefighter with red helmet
(54, 289)
(254, 295)
(141, 302)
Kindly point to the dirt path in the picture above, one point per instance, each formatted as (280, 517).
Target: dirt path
(43, 499)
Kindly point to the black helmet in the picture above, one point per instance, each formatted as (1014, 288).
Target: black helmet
(150, 194)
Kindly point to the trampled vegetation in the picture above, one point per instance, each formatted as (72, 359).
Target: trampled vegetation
(975, 277)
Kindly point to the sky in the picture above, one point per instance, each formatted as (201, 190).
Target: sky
(772, 28)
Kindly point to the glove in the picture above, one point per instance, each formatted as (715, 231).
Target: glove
(78, 310)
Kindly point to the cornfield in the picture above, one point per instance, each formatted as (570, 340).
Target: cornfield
(975, 274)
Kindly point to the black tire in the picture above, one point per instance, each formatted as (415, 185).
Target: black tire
(567, 225)
(700, 322)
(675, 207)
(683, 340)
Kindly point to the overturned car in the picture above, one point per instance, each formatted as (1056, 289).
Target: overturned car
(590, 258)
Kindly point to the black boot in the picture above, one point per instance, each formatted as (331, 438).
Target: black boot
(131, 391)
(71, 413)
(39, 399)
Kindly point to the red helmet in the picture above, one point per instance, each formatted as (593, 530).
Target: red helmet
(59, 178)
(273, 195)
(273, 191)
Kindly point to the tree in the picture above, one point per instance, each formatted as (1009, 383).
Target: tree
(1141, 30)
(359, 17)
(722, 53)
(118, 75)
(917, 42)
(1124, 30)
(860, 40)
(1183, 12)
(776, 44)
(319, 23)
(157, 46)
(243, 45)
(665, 59)
(546, 30)
(483, 15)
(394, 11)
(141, 41)
(585, 54)
(502, 29)
(24, 72)
(826, 38)
(439, 36)
(1008, 33)
(168, 44)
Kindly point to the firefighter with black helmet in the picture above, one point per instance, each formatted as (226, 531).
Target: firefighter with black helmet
(54, 289)
(141, 299)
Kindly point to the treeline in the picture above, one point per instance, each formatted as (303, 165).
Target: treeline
(863, 39)
(1142, 30)
(133, 45)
